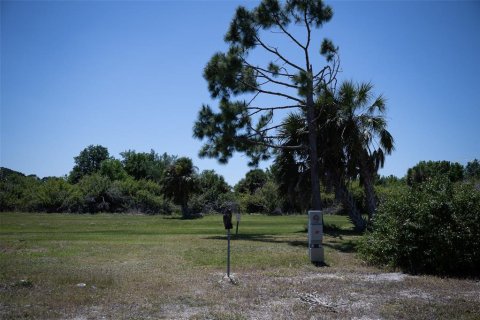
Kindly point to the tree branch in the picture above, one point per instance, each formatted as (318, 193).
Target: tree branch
(262, 74)
(270, 145)
(329, 72)
(250, 102)
(259, 109)
(273, 93)
(287, 33)
(259, 132)
(275, 52)
(286, 74)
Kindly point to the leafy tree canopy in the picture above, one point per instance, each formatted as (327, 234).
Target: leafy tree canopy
(254, 180)
(472, 169)
(88, 162)
(211, 182)
(5, 173)
(146, 165)
(425, 170)
(113, 169)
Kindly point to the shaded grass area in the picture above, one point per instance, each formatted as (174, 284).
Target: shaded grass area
(162, 267)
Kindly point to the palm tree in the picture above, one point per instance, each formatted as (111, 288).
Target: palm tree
(180, 182)
(366, 139)
(352, 142)
(292, 172)
(333, 159)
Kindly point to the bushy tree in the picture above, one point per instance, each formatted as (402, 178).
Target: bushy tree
(271, 198)
(258, 192)
(212, 193)
(52, 195)
(143, 165)
(94, 189)
(147, 197)
(113, 169)
(472, 169)
(88, 161)
(425, 170)
(17, 191)
(433, 228)
(254, 180)
(389, 187)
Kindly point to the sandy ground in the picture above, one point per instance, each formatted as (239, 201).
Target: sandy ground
(309, 295)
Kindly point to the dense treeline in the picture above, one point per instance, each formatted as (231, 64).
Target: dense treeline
(150, 183)
(139, 182)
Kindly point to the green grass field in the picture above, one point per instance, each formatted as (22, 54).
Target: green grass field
(167, 268)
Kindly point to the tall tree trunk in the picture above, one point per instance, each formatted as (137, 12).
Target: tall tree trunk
(353, 213)
(312, 141)
(341, 191)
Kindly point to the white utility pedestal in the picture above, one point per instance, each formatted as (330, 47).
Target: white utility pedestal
(315, 236)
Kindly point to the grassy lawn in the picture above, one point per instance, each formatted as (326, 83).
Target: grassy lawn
(138, 267)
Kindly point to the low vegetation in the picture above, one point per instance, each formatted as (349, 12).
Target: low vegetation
(433, 227)
(65, 266)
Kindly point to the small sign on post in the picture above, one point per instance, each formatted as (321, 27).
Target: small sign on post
(315, 236)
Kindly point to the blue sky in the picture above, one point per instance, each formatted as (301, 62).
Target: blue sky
(128, 75)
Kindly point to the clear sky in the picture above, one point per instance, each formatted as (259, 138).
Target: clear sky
(128, 75)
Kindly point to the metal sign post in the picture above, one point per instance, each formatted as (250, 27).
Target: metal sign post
(228, 253)
(227, 222)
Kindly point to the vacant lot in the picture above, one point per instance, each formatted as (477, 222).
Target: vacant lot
(150, 267)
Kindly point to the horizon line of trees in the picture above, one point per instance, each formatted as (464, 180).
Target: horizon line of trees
(146, 182)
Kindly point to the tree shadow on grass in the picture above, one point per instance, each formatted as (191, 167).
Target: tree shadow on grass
(337, 232)
(342, 246)
(345, 246)
(262, 238)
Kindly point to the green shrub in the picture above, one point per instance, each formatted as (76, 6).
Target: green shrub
(204, 204)
(17, 191)
(52, 195)
(149, 203)
(265, 199)
(425, 170)
(433, 228)
(94, 189)
(271, 199)
(143, 196)
(75, 202)
(385, 192)
(251, 203)
(328, 199)
(211, 195)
